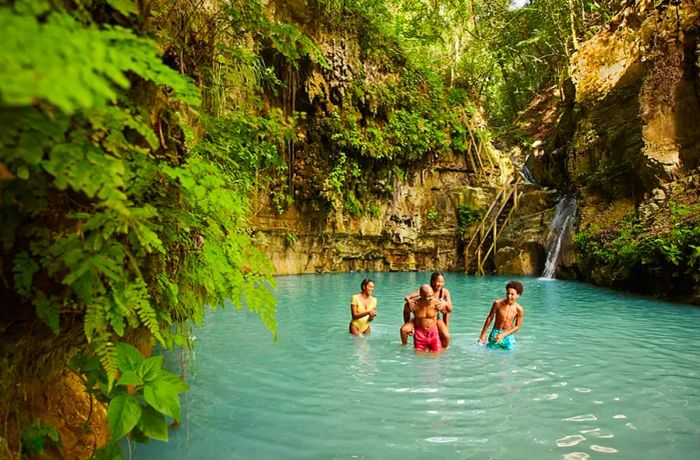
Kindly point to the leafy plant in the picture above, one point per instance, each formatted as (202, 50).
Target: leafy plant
(37, 436)
(467, 215)
(140, 401)
(352, 204)
(334, 183)
(121, 212)
(432, 215)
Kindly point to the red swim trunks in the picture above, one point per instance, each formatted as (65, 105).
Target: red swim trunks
(427, 339)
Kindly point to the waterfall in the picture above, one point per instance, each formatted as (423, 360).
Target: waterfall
(565, 211)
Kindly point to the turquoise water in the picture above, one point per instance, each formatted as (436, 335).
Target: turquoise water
(596, 374)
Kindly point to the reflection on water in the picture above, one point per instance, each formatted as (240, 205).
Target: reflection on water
(595, 374)
(365, 364)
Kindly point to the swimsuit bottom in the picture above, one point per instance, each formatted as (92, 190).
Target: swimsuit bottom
(427, 339)
(508, 343)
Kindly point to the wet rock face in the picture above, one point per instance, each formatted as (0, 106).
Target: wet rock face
(522, 246)
(416, 229)
(637, 92)
(631, 137)
(526, 259)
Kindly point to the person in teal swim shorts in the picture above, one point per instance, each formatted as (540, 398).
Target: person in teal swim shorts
(509, 318)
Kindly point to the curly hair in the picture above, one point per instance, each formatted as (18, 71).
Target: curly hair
(517, 285)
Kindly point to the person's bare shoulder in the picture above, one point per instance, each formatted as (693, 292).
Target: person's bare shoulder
(495, 306)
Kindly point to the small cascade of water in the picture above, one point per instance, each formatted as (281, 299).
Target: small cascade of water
(564, 214)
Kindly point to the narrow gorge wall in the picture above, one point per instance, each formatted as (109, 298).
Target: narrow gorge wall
(416, 229)
(628, 142)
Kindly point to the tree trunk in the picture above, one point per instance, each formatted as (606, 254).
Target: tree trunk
(572, 18)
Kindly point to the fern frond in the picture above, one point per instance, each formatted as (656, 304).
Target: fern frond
(107, 354)
(149, 318)
(140, 303)
(94, 322)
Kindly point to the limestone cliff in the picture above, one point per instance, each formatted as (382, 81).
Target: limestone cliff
(416, 229)
(628, 144)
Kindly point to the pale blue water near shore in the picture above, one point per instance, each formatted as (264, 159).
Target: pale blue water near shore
(597, 374)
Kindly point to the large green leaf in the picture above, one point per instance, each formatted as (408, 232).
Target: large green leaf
(129, 378)
(180, 385)
(123, 414)
(152, 424)
(149, 370)
(128, 357)
(163, 397)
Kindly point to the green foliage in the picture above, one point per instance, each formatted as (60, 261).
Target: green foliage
(432, 215)
(290, 238)
(121, 208)
(373, 210)
(382, 129)
(333, 185)
(496, 53)
(467, 215)
(285, 38)
(293, 44)
(352, 204)
(141, 399)
(634, 253)
(37, 436)
(72, 66)
(415, 135)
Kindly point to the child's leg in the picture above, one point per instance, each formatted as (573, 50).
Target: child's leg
(406, 329)
(444, 333)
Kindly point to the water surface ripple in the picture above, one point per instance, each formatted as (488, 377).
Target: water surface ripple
(596, 374)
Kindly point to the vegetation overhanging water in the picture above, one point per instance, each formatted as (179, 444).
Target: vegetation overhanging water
(135, 137)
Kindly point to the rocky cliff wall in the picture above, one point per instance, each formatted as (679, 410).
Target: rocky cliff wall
(634, 124)
(416, 229)
(628, 142)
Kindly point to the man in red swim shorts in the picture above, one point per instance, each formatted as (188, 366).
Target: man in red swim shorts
(426, 336)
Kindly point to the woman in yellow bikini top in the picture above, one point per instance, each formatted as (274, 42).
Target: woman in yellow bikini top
(363, 309)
